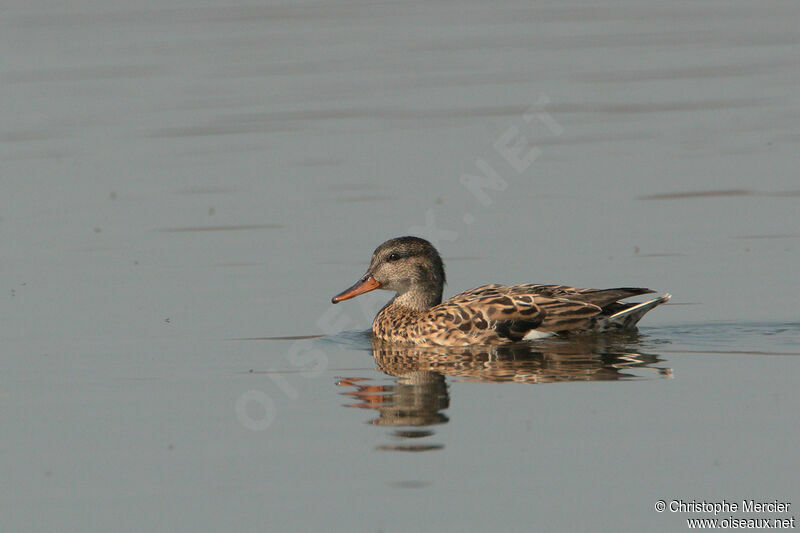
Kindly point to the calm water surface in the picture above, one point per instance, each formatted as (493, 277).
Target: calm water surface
(186, 184)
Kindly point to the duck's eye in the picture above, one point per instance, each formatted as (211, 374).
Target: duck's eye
(394, 256)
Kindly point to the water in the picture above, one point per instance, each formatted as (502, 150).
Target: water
(186, 184)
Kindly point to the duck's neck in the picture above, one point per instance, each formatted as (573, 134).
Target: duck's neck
(419, 298)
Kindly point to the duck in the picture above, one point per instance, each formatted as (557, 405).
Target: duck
(412, 268)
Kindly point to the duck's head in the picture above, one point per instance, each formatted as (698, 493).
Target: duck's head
(410, 266)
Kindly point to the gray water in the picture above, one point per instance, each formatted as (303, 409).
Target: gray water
(186, 184)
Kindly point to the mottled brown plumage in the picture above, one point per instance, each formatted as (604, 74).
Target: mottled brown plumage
(491, 314)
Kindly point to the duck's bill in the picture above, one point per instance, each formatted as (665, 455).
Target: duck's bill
(365, 284)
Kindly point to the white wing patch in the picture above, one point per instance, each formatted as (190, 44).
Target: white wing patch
(534, 334)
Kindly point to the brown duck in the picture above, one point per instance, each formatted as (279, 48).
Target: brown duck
(491, 314)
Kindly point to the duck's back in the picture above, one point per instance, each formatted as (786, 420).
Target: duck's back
(500, 314)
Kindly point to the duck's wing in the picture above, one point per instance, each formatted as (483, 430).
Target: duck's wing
(500, 313)
(599, 297)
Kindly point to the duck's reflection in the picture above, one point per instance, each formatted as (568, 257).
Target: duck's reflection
(417, 399)
(420, 394)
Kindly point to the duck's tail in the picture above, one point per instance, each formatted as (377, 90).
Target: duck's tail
(628, 317)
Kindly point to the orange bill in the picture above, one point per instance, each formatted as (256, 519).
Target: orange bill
(365, 284)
